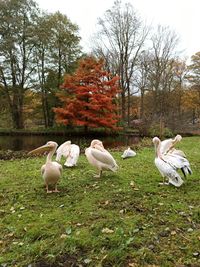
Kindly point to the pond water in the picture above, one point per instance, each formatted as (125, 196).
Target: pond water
(27, 143)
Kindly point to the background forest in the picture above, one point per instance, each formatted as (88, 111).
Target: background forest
(134, 76)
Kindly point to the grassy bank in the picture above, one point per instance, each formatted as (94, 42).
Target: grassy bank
(122, 219)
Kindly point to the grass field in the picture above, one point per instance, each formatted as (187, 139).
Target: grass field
(123, 219)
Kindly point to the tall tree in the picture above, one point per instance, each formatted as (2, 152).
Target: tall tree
(17, 19)
(42, 59)
(142, 78)
(56, 53)
(89, 97)
(120, 40)
(163, 56)
(194, 80)
(194, 71)
(65, 48)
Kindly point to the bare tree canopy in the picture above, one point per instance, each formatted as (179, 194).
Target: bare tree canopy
(119, 41)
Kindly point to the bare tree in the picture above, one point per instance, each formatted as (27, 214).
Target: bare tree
(163, 56)
(119, 41)
(142, 78)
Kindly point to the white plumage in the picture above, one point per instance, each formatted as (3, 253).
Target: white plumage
(167, 146)
(169, 160)
(51, 170)
(70, 151)
(100, 158)
(128, 153)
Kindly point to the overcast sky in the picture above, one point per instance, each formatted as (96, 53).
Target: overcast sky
(181, 15)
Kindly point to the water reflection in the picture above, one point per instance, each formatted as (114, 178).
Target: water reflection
(27, 143)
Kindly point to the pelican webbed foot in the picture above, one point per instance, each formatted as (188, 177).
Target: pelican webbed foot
(47, 188)
(49, 191)
(164, 183)
(98, 175)
(56, 190)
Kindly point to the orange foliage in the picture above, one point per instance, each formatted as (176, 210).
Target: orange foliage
(191, 99)
(89, 97)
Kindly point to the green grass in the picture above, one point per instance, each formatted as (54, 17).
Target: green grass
(122, 219)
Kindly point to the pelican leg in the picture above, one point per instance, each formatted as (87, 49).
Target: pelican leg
(164, 181)
(47, 188)
(98, 175)
(56, 190)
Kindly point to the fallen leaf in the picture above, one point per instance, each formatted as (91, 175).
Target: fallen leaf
(86, 261)
(107, 231)
(132, 264)
(68, 230)
(132, 183)
(173, 232)
(63, 236)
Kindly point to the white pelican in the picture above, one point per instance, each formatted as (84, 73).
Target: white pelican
(167, 146)
(169, 163)
(128, 153)
(100, 158)
(70, 151)
(51, 170)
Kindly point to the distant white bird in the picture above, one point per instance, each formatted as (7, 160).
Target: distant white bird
(169, 163)
(70, 151)
(51, 170)
(128, 153)
(100, 158)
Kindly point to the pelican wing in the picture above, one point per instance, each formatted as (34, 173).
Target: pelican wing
(58, 155)
(169, 171)
(177, 152)
(178, 162)
(103, 156)
(73, 156)
(168, 144)
(175, 179)
(43, 169)
(63, 150)
(165, 145)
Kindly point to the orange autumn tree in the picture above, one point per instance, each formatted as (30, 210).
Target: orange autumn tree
(89, 97)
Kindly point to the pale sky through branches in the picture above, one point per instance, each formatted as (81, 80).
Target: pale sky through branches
(182, 16)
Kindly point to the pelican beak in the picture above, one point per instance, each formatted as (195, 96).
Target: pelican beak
(41, 149)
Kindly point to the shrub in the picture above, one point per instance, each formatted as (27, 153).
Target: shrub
(154, 130)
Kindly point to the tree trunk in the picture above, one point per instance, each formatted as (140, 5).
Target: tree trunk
(85, 129)
(17, 112)
(142, 104)
(123, 106)
(44, 109)
(128, 107)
